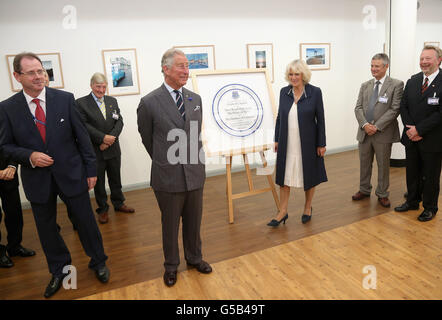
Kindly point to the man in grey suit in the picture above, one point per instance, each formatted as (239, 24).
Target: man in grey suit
(376, 111)
(104, 123)
(169, 122)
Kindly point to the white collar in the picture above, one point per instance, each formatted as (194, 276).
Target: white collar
(41, 96)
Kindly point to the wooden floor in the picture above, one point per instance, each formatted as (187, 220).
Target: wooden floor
(335, 242)
(403, 255)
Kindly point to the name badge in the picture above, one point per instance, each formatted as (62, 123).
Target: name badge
(383, 99)
(433, 101)
(115, 116)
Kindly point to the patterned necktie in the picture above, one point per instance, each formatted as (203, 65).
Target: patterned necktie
(102, 107)
(180, 104)
(40, 119)
(425, 85)
(372, 103)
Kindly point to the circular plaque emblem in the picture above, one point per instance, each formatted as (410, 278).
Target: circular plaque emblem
(237, 110)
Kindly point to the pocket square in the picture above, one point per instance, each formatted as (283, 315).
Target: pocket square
(61, 120)
(197, 108)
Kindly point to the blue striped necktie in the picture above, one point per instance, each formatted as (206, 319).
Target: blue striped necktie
(180, 104)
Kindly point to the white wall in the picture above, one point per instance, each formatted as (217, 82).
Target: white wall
(429, 26)
(154, 26)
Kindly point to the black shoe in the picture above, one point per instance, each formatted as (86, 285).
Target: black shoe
(275, 223)
(169, 278)
(103, 274)
(405, 207)
(5, 262)
(20, 251)
(53, 286)
(426, 215)
(202, 267)
(306, 218)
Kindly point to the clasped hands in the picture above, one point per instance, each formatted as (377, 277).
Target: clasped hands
(7, 174)
(108, 140)
(370, 129)
(412, 133)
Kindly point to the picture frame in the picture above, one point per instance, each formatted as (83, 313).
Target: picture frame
(316, 55)
(260, 55)
(201, 57)
(51, 63)
(121, 70)
(432, 43)
(240, 110)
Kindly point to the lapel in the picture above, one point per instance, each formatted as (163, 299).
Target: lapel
(27, 116)
(108, 106)
(95, 109)
(169, 107)
(369, 89)
(385, 86)
(189, 105)
(51, 114)
(432, 88)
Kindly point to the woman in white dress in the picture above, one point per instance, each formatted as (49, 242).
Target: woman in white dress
(299, 140)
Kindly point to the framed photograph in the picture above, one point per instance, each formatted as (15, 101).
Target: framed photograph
(432, 43)
(51, 63)
(121, 70)
(260, 55)
(316, 55)
(200, 57)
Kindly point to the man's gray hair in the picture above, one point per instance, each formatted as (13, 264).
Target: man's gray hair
(383, 57)
(98, 77)
(168, 56)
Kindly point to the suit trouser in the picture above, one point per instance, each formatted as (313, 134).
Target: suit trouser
(189, 206)
(367, 150)
(112, 167)
(54, 247)
(427, 164)
(13, 216)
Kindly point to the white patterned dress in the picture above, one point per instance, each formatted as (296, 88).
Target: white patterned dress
(294, 176)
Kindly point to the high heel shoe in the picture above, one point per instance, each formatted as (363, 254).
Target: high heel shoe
(275, 223)
(306, 218)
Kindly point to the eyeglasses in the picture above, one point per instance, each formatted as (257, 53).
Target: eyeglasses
(33, 73)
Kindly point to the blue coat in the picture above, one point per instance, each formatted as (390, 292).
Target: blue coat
(311, 130)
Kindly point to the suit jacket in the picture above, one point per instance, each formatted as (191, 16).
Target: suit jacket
(385, 114)
(158, 115)
(67, 142)
(98, 127)
(416, 111)
(4, 163)
(311, 123)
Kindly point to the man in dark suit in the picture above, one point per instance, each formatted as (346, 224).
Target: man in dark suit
(177, 180)
(421, 113)
(101, 115)
(13, 214)
(376, 111)
(40, 129)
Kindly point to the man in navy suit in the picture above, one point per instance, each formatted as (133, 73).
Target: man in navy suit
(40, 128)
(421, 114)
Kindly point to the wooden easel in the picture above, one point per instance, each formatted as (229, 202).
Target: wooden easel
(252, 191)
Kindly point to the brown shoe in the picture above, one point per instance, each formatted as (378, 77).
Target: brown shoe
(125, 209)
(359, 196)
(384, 202)
(103, 217)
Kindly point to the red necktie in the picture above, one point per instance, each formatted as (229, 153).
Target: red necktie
(425, 85)
(41, 119)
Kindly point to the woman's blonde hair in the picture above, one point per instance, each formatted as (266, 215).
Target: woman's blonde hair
(300, 66)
